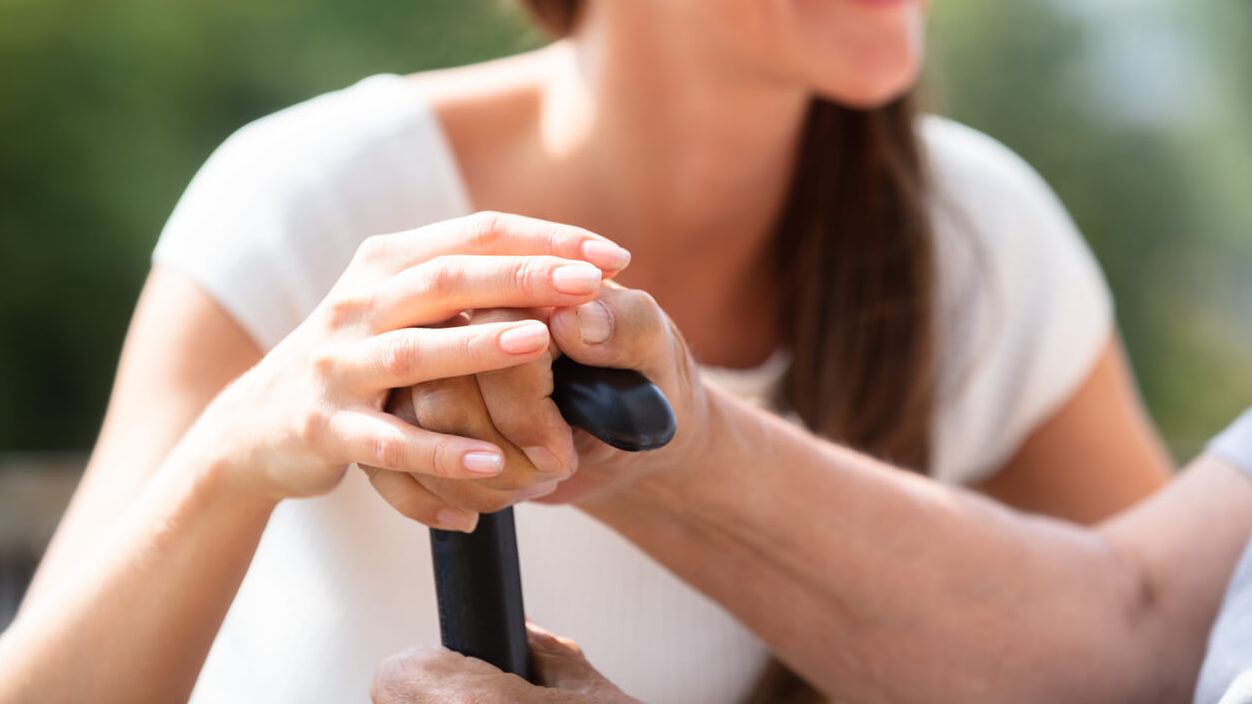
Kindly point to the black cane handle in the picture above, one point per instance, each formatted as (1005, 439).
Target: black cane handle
(477, 579)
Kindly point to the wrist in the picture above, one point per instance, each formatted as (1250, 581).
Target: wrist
(211, 456)
(676, 480)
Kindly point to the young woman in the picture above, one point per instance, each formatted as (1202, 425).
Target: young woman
(900, 284)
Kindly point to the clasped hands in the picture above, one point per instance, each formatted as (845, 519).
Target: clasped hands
(429, 365)
(544, 459)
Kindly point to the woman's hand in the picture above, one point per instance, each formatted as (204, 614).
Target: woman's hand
(433, 675)
(537, 444)
(511, 407)
(315, 404)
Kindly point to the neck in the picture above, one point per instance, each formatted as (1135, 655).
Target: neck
(681, 149)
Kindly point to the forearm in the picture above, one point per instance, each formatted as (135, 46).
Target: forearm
(135, 622)
(879, 585)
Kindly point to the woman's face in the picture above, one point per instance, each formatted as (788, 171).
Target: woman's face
(861, 53)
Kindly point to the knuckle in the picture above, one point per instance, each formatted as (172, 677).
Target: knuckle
(324, 362)
(569, 644)
(444, 457)
(519, 427)
(642, 306)
(391, 681)
(470, 347)
(391, 668)
(345, 310)
(314, 426)
(646, 320)
(390, 451)
(569, 467)
(400, 357)
(373, 249)
(528, 274)
(443, 406)
(559, 237)
(485, 227)
(441, 277)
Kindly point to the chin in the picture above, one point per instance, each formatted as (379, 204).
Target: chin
(870, 95)
(866, 87)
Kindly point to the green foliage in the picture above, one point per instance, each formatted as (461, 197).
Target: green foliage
(108, 108)
(106, 111)
(1164, 206)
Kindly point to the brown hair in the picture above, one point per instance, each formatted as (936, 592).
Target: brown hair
(855, 266)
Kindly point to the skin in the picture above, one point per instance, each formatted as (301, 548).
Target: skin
(626, 131)
(435, 675)
(290, 426)
(892, 587)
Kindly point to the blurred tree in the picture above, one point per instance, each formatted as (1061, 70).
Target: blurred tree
(1023, 72)
(107, 111)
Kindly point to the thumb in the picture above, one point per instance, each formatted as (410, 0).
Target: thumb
(623, 328)
(559, 663)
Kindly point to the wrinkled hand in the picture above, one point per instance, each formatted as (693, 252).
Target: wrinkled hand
(626, 329)
(435, 675)
(315, 404)
(537, 444)
(511, 407)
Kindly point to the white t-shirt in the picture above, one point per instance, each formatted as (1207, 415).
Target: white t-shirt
(341, 581)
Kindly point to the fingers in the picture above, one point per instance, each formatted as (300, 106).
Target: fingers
(428, 675)
(411, 499)
(381, 440)
(411, 356)
(622, 328)
(496, 233)
(456, 407)
(559, 663)
(437, 289)
(518, 400)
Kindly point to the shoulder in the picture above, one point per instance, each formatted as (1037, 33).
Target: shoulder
(377, 144)
(1023, 306)
(959, 151)
(989, 186)
(274, 215)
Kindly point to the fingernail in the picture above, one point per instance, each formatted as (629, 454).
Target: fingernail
(576, 279)
(606, 255)
(524, 339)
(455, 519)
(486, 463)
(595, 323)
(544, 459)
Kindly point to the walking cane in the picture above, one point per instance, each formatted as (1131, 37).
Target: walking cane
(477, 580)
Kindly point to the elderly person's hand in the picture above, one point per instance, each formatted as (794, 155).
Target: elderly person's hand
(430, 675)
(512, 408)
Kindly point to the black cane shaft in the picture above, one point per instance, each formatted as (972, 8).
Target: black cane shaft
(477, 579)
(479, 588)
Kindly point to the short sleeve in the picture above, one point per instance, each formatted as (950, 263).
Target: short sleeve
(1235, 443)
(274, 216)
(1023, 308)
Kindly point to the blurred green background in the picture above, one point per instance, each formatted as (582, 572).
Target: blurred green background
(1135, 112)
